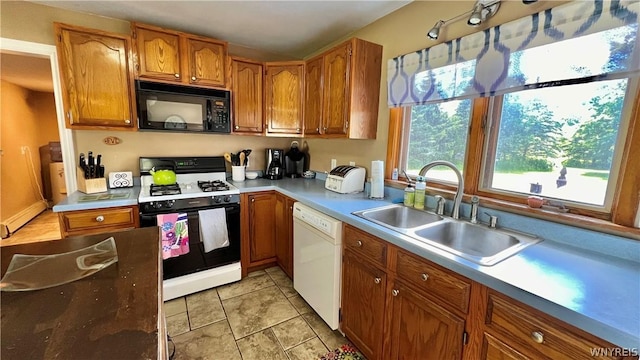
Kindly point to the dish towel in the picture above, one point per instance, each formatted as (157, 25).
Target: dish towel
(213, 229)
(175, 234)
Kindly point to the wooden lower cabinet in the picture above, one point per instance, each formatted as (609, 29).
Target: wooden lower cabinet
(96, 221)
(363, 303)
(419, 328)
(284, 233)
(494, 349)
(266, 231)
(396, 305)
(515, 330)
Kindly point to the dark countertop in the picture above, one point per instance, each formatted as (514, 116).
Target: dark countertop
(112, 314)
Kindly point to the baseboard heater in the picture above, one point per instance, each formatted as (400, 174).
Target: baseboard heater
(18, 220)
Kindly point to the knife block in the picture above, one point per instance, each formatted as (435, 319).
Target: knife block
(90, 186)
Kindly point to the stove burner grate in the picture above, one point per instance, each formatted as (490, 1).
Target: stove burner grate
(216, 185)
(160, 190)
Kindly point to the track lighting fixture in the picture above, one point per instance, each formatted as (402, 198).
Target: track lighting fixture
(481, 11)
(435, 30)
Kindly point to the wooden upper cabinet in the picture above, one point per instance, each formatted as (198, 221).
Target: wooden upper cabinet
(158, 54)
(284, 97)
(349, 85)
(336, 90)
(206, 62)
(313, 96)
(173, 56)
(97, 78)
(246, 96)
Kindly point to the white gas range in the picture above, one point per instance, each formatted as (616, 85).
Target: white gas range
(200, 186)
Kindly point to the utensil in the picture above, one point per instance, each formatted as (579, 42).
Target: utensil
(98, 166)
(227, 157)
(241, 157)
(246, 156)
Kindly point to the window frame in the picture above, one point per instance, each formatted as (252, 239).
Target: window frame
(626, 194)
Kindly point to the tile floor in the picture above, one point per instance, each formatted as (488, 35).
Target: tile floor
(261, 317)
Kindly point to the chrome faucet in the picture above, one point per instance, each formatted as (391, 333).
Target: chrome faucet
(439, 204)
(455, 213)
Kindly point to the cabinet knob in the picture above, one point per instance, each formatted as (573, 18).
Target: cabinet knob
(377, 280)
(297, 129)
(395, 292)
(317, 130)
(537, 336)
(237, 127)
(99, 218)
(193, 78)
(177, 75)
(358, 243)
(127, 121)
(324, 128)
(253, 200)
(424, 277)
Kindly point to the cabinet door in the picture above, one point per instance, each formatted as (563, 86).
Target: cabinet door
(284, 233)
(313, 96)
(363, 291)
(494, 349)
(158, 54)
(262, 228)
(96, 77)
(206, 62)
(246, 93)
(284, 95)
(336, 90)
(421, 329)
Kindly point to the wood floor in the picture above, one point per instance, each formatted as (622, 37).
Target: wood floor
(41, 228)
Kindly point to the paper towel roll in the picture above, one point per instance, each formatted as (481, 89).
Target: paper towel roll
(377, 179)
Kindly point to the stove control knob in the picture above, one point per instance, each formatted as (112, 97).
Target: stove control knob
(157, 205)
(227, 198)
(217, 199)
(170, 203)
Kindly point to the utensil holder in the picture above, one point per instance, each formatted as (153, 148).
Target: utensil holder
(90, 186)
(237, 173)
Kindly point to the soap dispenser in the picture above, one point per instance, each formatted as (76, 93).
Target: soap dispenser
(421, 186)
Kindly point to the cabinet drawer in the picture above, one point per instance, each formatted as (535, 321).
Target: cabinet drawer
(365, 244)
(98, 218)
(535, 334)
(434, 280)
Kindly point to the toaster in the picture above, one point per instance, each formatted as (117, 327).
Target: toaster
(345, 179)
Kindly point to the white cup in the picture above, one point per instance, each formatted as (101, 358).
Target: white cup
(237, 173)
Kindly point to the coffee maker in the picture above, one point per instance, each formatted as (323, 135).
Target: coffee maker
(275, 164)
(294, 161)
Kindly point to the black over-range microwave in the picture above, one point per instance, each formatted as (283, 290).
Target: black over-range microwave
(182, 108)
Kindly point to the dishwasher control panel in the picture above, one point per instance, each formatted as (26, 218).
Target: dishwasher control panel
(318, 220)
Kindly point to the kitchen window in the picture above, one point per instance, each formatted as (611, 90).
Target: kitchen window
(552, 112)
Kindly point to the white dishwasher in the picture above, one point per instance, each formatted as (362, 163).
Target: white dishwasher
(317, 258)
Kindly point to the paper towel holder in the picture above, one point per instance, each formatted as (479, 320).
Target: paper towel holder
(376, 190)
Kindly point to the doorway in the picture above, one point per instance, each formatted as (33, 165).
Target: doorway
(32, 127)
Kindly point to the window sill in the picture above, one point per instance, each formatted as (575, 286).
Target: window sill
(580, 221)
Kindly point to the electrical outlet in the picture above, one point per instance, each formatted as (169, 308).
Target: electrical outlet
(23, 150)
(334, 163)
(352, 163)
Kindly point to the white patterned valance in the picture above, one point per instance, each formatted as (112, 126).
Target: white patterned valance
(581, 41)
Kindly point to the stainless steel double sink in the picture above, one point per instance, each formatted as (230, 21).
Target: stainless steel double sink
(478, 243)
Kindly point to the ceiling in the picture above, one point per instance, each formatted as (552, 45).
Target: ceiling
(292, 29)
(33, 73)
